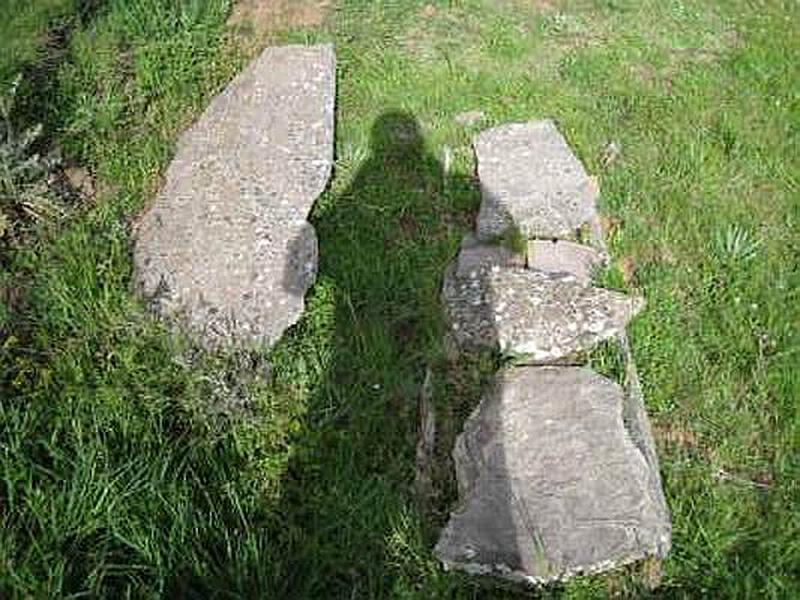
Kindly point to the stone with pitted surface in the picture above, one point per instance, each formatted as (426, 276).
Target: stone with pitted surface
(226, 247)
(531, 180)
(561, 256)
(546, 317)
(535, 316)
(550, 483)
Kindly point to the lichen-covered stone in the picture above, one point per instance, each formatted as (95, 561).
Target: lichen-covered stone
(476, 256)
(548, 316)
(550, 483)
(561, 256)
(225, 247)
(532, 315)
(531, 180)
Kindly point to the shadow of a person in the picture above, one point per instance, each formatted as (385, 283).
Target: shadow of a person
(384, 239)
(384, 244)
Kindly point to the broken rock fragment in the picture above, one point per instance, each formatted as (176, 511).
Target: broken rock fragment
(547, 316)
(562, 256)
(550, 483)
(533, 315)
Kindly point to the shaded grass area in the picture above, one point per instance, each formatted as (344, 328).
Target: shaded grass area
(384, 240)
(25, 30)
(116, 480)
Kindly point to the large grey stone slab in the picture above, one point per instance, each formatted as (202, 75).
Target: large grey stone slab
(550, 483)
(531, 180)
(561, 256)
(532, 315)
(226, 247)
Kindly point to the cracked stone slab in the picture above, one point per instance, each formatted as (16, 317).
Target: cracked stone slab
(475, 256)
(533, 315)
(531, 180)
(562, 256)
(550, 483)
(226, 247)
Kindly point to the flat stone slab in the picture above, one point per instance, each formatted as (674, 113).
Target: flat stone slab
(533, 315)
(561, 256)
(530, 179)
(225, 247)
(550, 483)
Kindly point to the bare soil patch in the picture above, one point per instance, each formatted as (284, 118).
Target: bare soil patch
(258, 19)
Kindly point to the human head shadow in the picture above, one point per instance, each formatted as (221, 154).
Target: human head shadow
(300, 269)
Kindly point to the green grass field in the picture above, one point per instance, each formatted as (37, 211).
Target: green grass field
(117, 479)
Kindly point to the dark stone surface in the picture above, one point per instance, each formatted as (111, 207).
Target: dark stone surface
(465, 294)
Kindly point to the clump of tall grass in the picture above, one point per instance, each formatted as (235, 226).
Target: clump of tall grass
(29, 194)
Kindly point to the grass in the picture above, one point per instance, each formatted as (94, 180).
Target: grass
(117, 480)
(25, 31)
